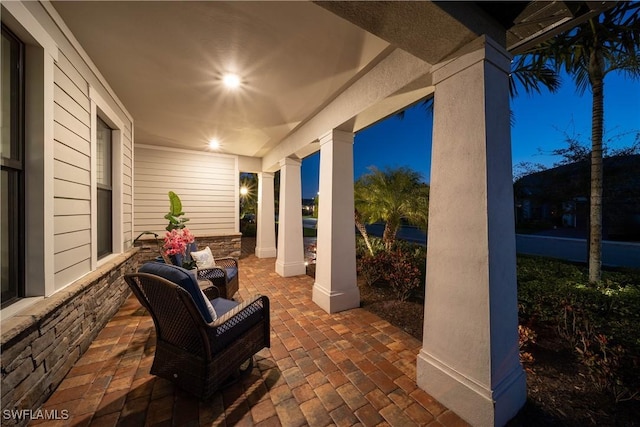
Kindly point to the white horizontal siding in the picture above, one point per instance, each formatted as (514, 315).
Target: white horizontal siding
(73, 272)
(63, 99)
(72, 140)
(75, 125)
(206, 184)
(64, 207)
(220, 203)
(64, 83)
(66, 259)
(74, 75)
(72, 240)
(71, 155)
(71, 223)
(72, 174)
(127, 185)
(71, 190)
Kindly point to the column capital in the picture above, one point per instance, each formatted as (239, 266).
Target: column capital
(290, 161)
(481, 49)
(266, 175)
(336, 136)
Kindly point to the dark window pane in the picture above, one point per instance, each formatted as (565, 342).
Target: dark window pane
(103, 171)
(104, 223)
(12, 182)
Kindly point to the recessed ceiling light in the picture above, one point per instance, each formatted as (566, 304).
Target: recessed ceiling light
(214, 144)
(231, 80)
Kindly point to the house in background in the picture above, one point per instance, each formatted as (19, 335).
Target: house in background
(107, 106)
(558, 198)
(308, 206)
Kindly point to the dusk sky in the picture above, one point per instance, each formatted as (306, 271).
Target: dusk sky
(541, 122)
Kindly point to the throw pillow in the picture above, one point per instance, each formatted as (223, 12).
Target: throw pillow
(204, 258)
(212, 311)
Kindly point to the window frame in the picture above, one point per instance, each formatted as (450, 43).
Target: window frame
(103, 190)
(102, 109)
(14, 166)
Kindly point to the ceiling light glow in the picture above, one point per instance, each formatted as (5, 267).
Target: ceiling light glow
(214, 144)
(231, 81)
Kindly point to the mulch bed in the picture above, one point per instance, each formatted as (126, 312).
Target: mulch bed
(559, 390)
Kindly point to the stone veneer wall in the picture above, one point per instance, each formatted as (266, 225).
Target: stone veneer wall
(43, 342)
(228, 245)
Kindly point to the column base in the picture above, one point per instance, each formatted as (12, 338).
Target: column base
(291, 269)
(472, 401)
(266, 252)
(333, 302)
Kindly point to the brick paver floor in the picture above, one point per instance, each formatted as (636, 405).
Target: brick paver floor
(345, 369)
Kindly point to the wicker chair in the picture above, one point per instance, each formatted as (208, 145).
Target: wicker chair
(224, 275)
(195, 352)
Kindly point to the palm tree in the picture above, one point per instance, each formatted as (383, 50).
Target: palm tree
(363, 230)
(390, 196)
(603, 44)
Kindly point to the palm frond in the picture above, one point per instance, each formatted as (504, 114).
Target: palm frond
(532, 73)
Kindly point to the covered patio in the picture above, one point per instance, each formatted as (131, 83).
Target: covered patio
(350, 368)
(121, 101)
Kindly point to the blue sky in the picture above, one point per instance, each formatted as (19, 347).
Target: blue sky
(541, 122)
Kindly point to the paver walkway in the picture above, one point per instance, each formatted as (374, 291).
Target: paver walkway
(345, 369)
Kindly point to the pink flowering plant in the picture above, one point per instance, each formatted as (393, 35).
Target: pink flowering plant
(178, 241)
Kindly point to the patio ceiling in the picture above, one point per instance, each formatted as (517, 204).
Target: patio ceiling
(165, 60)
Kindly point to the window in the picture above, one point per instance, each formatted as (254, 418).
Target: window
(104, 184)
(12, 160)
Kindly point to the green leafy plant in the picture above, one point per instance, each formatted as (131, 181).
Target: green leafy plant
(175, 212)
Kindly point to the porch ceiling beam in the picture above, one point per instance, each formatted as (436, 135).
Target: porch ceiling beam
(389, 79)
(429, 30)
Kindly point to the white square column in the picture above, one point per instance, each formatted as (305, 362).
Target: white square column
(290, 260)
(336, 288)
(469, 360)
(266, 225)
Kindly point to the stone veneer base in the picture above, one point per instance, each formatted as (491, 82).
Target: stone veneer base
(42, 343)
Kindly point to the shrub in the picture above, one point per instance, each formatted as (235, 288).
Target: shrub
(361, 247)
(403, 274)
(601, 324)
(370, 268)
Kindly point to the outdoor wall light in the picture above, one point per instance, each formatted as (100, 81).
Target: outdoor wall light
(244, 191)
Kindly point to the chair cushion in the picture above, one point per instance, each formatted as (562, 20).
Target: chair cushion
(204, 258)
(221, 305)
(231, 273)
(183, 278)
